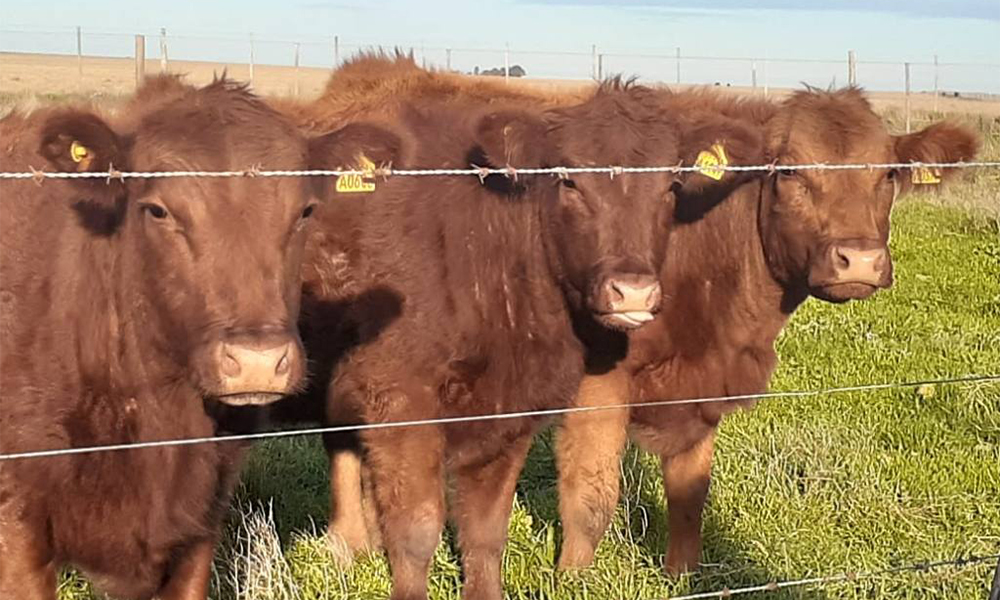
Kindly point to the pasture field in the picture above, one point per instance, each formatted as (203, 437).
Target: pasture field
(802, 487)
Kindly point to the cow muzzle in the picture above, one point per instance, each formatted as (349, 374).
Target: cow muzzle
(854, 270)
(257, 368)
(627, 301)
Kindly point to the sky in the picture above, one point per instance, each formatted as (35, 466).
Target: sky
(957, 31)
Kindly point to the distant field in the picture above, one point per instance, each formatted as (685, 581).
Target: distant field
(802, 488)
(58, 74)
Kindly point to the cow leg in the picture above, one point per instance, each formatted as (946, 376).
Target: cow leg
(190, 576)
(406, 466)
(347, 531)
(686, 477)
(27, 569)
(483, 499)
(589, 446)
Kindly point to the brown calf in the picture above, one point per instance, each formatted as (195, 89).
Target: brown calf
(451, 297)
(733, 279)
(131, 311)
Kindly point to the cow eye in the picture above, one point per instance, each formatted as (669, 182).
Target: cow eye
(787, 173)
(892, 174)
(155, 210)
(568, 183)
(308, 212)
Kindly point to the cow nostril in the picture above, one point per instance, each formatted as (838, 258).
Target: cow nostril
(617, 294)
(283, 365)
(841, 259)
(230, 366)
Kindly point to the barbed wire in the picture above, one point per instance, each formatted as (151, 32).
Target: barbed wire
(498, 417)
(481, 172)
(849, 576)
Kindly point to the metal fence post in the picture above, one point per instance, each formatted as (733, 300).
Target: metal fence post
(593, 57)
(251, 59)
(447, 59)
(764, 66)
(936, 89)
(753, 74)
(678, 65)
(600, 66)
(164, 61)
(852, 68)
(297, 69)
(79, 53)
(336, 51)
(140, 59)
(506, 63)
(906, 67)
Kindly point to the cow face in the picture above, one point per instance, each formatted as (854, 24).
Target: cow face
(828, 231)
(605, 236)
(210, 265)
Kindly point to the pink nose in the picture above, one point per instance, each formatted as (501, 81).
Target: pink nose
(853, 265)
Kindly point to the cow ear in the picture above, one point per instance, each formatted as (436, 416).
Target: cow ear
(939, 143)
(79, 141)
(512, 138)
(707, 143)
(360, 146)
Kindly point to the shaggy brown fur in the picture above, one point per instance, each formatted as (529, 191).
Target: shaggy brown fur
(733, 280)
(124, 311)
(375, 85)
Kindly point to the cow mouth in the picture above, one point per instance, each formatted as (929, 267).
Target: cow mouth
(249, 398)
(626, 320)
(844, 290)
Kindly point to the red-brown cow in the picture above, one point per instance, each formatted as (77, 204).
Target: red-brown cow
(470, 298)
(130, 312)
(732, 280)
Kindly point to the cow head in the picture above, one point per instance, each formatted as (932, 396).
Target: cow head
(207, 267)
(606, 234)
(827, 232)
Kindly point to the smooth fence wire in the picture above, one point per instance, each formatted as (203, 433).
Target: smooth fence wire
(497, 417)
(847, 577)
(481, 172)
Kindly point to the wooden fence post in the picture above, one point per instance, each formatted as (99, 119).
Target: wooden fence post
(140, 59)
(447, 59)
(995, 590)
(600, 66)
(852, 68)
(336, 52)
(753, 74)
(593, 57)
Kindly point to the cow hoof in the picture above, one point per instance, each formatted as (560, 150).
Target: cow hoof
(674, 568)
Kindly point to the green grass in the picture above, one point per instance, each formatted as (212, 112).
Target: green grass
(801, 488)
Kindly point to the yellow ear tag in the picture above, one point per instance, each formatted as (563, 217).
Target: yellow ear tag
(925, 176)
(78, 152)
(347, 184)
(709, 162)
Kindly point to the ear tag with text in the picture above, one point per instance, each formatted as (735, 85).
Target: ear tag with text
(925, 176)
(709, 162)
(358, 183)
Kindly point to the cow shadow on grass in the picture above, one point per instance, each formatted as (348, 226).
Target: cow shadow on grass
(726, 559)
(291, 474)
